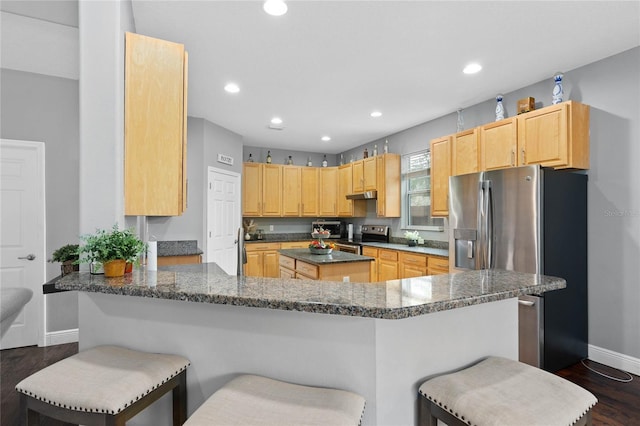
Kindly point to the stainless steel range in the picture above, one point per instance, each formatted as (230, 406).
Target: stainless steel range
(370, 234)
(375, 234)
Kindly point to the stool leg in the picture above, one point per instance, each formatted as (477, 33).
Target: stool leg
(28, 417)
(424, 413)
(180, 400)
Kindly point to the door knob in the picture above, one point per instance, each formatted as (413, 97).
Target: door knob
(28, 257)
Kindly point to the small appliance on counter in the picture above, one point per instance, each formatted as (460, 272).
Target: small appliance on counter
(336, 227)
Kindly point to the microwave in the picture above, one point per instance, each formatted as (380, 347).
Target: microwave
(336, 227)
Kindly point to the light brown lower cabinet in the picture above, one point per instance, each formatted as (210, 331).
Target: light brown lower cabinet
(387, 265)
(262, 260)
(373, 266)
(179, 260)
(395, 264)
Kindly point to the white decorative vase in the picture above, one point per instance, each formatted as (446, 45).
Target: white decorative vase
(557, 89)
(499, 108)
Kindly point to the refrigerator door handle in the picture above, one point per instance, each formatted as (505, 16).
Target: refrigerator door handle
(489, 232)
(483, 223)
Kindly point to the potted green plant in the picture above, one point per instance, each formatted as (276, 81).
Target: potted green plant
(111, 248)
(68, 256)
(412, 238)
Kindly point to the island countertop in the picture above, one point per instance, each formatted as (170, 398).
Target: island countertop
(395, 299)
(324, 259)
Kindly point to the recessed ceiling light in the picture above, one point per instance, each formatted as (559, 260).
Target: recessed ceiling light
(275, 7)
(232, 88)
(276, 120)
(326, 138)
(376, 114)
(472, 68)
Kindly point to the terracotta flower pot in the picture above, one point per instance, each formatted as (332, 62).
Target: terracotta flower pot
(114, 268)
(128, 268)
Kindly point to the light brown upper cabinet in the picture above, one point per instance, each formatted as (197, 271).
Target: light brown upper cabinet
(155, 127)
(252, 189)
(261, 189)
(309, 191)
(388, 185)
(499, 144)
(328, 193)
(440, 172)
(364, 175)
(466, 156)
(271, 190)
(347, 207)
(556, 136)
(291, 187)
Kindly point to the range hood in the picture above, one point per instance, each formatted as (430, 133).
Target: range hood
(367, 195)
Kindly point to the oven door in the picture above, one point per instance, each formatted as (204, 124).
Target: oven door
(348, 248)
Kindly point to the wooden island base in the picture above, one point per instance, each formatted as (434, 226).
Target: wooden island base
(353, 271)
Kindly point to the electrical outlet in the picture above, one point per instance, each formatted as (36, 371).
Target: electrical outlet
(270, 227)
(345, 279)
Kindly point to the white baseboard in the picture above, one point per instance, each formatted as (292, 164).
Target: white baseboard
(615, 359)
(60, 337)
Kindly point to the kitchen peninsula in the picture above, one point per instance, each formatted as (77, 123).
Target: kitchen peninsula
(380, 340)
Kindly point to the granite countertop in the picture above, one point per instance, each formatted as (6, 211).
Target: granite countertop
(422, 249)
(324, 259)
(178, 248)
(395, 299)
(416, 249)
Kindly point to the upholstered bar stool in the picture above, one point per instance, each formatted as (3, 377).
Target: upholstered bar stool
(256, 400)
(499, 391)
(106, 385)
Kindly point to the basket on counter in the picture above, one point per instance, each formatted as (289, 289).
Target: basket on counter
(314, 250)
(319, 246)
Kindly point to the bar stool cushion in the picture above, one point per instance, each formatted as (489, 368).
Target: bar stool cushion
(499, 391)
(105, 379)
(256, 400)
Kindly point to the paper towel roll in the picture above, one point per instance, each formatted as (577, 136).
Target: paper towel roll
(152, 256)
(350, 231)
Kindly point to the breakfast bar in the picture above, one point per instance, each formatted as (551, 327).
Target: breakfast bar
(380, 340)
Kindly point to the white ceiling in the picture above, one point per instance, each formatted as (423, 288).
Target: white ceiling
(325, 65)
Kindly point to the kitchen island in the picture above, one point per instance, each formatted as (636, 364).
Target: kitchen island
(380, 340)
(336, 266)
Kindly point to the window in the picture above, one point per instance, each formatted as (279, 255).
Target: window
(416, 181)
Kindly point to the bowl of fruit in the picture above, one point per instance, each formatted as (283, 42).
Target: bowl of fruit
(321, 247)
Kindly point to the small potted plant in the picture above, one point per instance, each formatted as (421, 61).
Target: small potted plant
(68, 256)
(111, 248)
(412, 238)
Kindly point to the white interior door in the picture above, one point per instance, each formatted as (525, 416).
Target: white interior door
(223, 218)
(22, 234)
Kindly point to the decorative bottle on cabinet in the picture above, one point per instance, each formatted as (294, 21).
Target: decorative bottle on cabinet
(309, 163)
(386, 146)
(268, 157)
(324, 161)
(366, 153)
(499, 108)
(375, 150)
(250, 159)
(289, 160)
(557, 89)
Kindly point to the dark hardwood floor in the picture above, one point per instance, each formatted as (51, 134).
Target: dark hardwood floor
(18, 363)
(618, 403)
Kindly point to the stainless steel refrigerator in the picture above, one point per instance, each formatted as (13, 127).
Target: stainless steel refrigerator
(529, 219)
